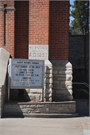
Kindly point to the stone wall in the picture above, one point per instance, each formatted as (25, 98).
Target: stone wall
(4, 57)
(30, 108)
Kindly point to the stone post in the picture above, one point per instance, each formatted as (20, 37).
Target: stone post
(4, 57)
(62, 80)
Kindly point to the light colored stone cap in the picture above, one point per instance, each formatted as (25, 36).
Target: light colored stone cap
(48, 63)
(68, 65)
(4, 58)
(62, 63)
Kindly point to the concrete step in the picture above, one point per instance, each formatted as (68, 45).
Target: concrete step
(43, 115)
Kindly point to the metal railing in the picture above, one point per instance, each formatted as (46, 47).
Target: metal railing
(80, 89)
(87, 85)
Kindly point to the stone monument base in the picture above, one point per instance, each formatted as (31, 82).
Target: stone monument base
(57, 83)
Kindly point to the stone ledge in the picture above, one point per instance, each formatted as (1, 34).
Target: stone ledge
(30, 108)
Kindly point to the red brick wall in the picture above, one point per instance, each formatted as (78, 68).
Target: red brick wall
(39, 22)
(36, 22)
(58, 30)
(21, 29)
(9, 27)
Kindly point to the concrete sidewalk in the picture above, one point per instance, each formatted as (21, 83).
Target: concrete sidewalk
(45, 126)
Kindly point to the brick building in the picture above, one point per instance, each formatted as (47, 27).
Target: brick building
(39, 22)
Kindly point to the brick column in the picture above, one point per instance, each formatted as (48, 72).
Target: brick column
(59, 30)
(7, 26)
(38, 22)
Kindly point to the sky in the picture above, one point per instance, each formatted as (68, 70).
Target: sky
(71, 3)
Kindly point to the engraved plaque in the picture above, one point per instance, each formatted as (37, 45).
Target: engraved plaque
(38, 52)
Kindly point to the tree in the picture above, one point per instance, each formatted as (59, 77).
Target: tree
(80, 13)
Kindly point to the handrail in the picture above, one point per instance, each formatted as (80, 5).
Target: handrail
(83, 91)
(87, 85)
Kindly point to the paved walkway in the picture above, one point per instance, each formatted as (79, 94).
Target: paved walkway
(45, 126)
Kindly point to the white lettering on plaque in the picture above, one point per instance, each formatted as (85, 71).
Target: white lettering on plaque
(26, 76)
(26, 73)
(38, 52)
